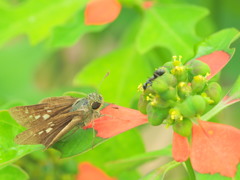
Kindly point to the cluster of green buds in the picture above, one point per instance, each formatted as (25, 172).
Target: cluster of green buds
(177, 94)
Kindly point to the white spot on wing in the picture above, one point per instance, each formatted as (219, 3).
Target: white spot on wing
(40, 132)
(26, 111)
(37, 117)
(49, 111)
(46, 116)
(48, 130)
(31, 116)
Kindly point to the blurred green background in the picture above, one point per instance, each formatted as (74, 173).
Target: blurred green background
(58, 53)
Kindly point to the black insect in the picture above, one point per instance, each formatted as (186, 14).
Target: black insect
(157, 73)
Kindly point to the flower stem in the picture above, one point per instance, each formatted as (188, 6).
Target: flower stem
(190, 170)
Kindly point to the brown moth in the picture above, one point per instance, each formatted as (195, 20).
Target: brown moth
(53, 117)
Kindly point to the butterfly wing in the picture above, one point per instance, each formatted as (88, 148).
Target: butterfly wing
(57, 127)
(29, 116)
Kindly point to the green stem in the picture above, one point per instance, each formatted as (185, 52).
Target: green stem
(190, 170)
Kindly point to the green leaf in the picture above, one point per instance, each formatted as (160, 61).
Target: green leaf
(172, 27)
(159, 173)
(13, 172)
(211, 177)
(36, 18)
(9, 151)
(127, 70)
(19, 63)
(218, 41)
(217, 176)
(122, 146)
(79, 142)
(235, 91)
(69, 33)
(139, 159)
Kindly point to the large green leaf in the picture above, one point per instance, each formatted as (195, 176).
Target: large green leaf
(172, 27)
(127, 70)
(219, 41)
(70, 33)
(12, 172)
(18, 66)
(77, 143)
(122, 146)
(9, 151)
(139, 159)
(36, 18)
(159, 173)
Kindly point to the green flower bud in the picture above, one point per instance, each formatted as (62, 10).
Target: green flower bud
(142, 104)
(175, 115)
(184, 90)
(156, 115)
(199, 68)
(214, 91)
(159, 85)
(184, 127)
(169, 79)
(198, 84)
(171, 94)
(169, 65)
(192, 106)
(180, 72)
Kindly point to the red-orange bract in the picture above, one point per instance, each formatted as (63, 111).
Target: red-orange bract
(216, 61)
(117, 119)
(87, 171)
(100, 12)
(147, 4)
(215, 148)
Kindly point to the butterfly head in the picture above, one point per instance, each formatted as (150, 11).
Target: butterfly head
(95, 100)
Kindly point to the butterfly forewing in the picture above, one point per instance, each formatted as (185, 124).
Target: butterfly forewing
(49, 107)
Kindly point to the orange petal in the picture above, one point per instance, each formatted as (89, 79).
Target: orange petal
(100, 12)
(147, 4)
(215, 148)
(117, 119)
(216, 61)
(89, 172)
(230, 102)
(180, 148)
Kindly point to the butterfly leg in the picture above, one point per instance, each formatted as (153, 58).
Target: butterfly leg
(94, 134)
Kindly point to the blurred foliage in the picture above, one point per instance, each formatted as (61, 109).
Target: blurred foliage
(46, 50)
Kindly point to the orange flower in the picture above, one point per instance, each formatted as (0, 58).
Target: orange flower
(100, 12)
(87, 171)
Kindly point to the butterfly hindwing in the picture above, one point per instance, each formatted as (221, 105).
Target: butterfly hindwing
(45, 132)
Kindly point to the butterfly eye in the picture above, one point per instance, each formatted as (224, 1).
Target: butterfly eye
(96, 105)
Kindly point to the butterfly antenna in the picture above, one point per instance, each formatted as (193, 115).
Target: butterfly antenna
(106, 75)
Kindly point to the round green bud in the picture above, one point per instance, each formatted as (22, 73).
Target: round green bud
(184, 89)
(192, 106)
(180, 72)
(214, 91)
(184, 127)
(156, 115)
(169, 79)
(198, 83)
(169, 65)
(142, 104)
(171, 94)
(199, 68)
(159, 85)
